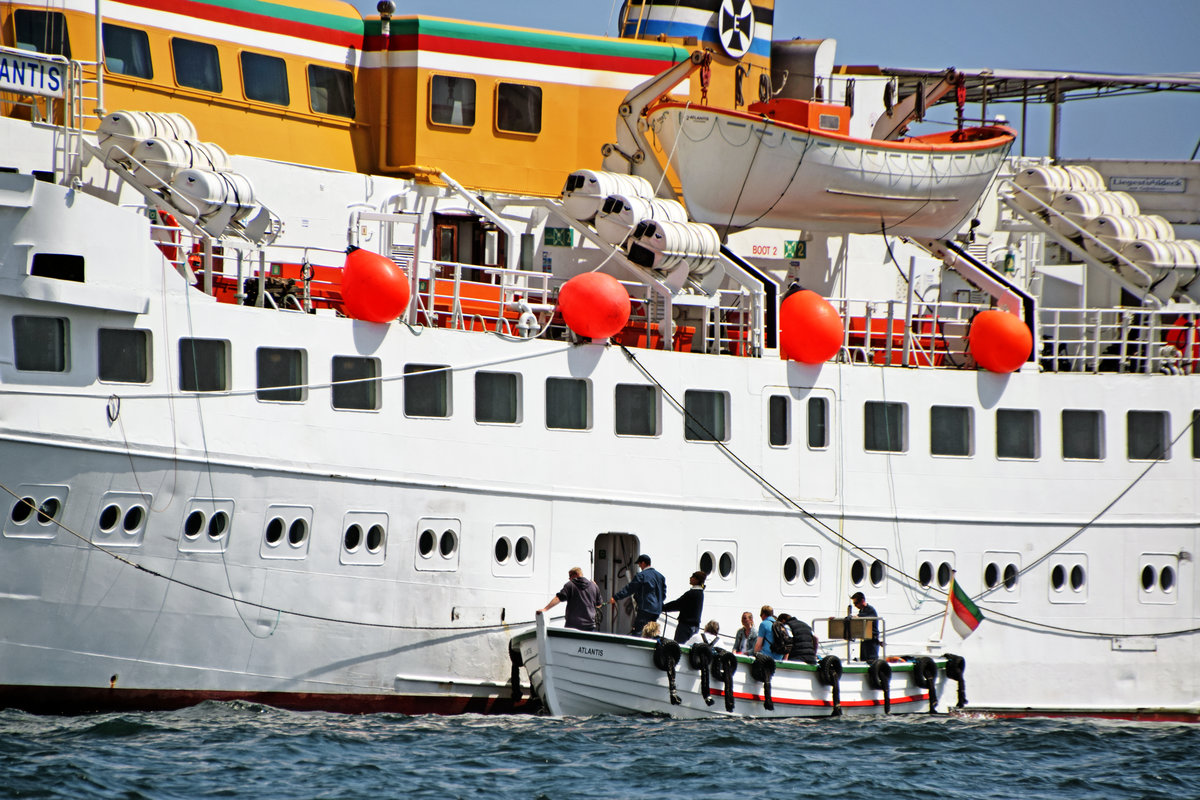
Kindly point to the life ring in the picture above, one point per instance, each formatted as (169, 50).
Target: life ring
(829, 670)
(879, 674)
(924, 672)
(166, 236)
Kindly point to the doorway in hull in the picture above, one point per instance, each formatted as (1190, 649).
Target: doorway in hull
(612, 568)
(468, 239)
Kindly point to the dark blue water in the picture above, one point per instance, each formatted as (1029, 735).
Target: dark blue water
(244, 750)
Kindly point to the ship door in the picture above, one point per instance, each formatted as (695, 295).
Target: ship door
(612, 568)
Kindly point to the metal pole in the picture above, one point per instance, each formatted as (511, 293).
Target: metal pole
(1055, 119)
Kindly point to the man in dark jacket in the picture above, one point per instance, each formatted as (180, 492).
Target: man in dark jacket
(869, 649)
(690, 606)
(649, 590)
(582, 597)
(804, 641)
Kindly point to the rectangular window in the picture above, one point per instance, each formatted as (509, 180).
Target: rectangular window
(497, 397)
(1196, 434)
(1083, 434)
(203, 365)
(950, 431)
(518, 108)
(706, 416)
(331, 91)
(197, 65)
(636, 410)
(264, 78)
(40, 344)
(281, 367)
(124, 355)
(451, 100)
(42, 32)
(1016, 433)
(567, 404)
(1148, 435)
(356, 384)
(127, 51)
(818, 423)
(780, 434)
(427, 390)
(884, 427)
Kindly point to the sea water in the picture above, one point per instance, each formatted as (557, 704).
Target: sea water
(245, 750)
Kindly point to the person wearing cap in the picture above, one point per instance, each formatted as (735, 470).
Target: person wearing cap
(869, 649)
(690, 606)
(649, 591)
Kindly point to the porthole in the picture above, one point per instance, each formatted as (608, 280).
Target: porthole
(1149, 578)
(503, 549)
(353, 537)
(945, 573)
(1077, 577)
(1166, 579)
(878, 571)
(1058, 577)
(726, 565)
(23, 509)
(426, 542)
(133, 519)
(274, 531)
(524, 550)
(707, 562)
(991, 575)
(810, 570)
(218, 525)
(1011, 573)
(448, 544)
(109, 517)
(374, 538)
(858, 571)
(48, 510)
(193, 524)
(790, 569)
(925, 573)
(298, 532)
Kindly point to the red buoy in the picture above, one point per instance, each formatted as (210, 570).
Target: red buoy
(810, 329)
(594, 304)
(374, 288)
(999, 341)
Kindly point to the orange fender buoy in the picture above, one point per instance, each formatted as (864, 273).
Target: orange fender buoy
(594, 305)
(999, 341)
(374, 288)
(810, 328)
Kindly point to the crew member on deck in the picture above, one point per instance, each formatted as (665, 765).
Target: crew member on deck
(582, 596)
(649, 590)
(690, 606)
(869, 650)
(766, 635)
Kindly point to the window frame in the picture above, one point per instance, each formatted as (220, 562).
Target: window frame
(145, 354)
(692, 426)
(586, 385)
(514, 379)
(620, 409)
(178, 58)
(1035, 429)
(345, 91)
(433, 374)
(1164, 430)
(61, 335)
(372, 384)
(502, 103)
(869, 434)
(473, 107)
(139, 42)
(969, 414)
(296, 390)
(257, 61)
(1097, 428)
(184, 355)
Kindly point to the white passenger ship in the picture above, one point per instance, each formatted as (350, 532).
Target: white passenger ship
(216, 483)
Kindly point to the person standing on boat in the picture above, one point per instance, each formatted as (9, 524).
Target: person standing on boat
(766, 633)
(804, 641)
(690, 606)
(582, 597)
(743, 641)
(869, 649)
(649, 591)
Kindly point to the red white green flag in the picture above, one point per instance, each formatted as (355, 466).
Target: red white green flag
(964, 614)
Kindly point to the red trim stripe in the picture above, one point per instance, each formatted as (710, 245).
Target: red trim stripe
(961, 611)
(260, 22)
(521, 53)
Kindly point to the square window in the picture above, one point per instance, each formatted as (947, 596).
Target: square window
(40, 344)
(197, 65)
(884, 427)
(497, 397)
(1082, 434)
(518, 108)
(356, 384)
(950, 431)
(264, 78)
(1016, 433)
(780, 423)
(567, 404)
(203, 365)
(1148, 435)
(281, 367)
(427, 390)
(706, 416)
(124, 355)
(331, 91)
(451, 100)
(127, 51)
(818, 423)
(636, 410)
(42, 32)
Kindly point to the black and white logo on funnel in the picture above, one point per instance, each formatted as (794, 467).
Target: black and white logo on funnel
(735, 26)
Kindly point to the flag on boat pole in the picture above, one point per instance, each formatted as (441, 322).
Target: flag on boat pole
(964, 615)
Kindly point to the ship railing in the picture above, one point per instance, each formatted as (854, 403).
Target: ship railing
(890, 332)
(48, 89)
(1122, 340)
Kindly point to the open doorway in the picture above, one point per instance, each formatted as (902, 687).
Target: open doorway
(612, 568)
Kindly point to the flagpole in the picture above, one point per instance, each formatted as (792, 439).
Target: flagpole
(949, 599)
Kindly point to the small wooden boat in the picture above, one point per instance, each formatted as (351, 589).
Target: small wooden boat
(790, 163)
(578, 673)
